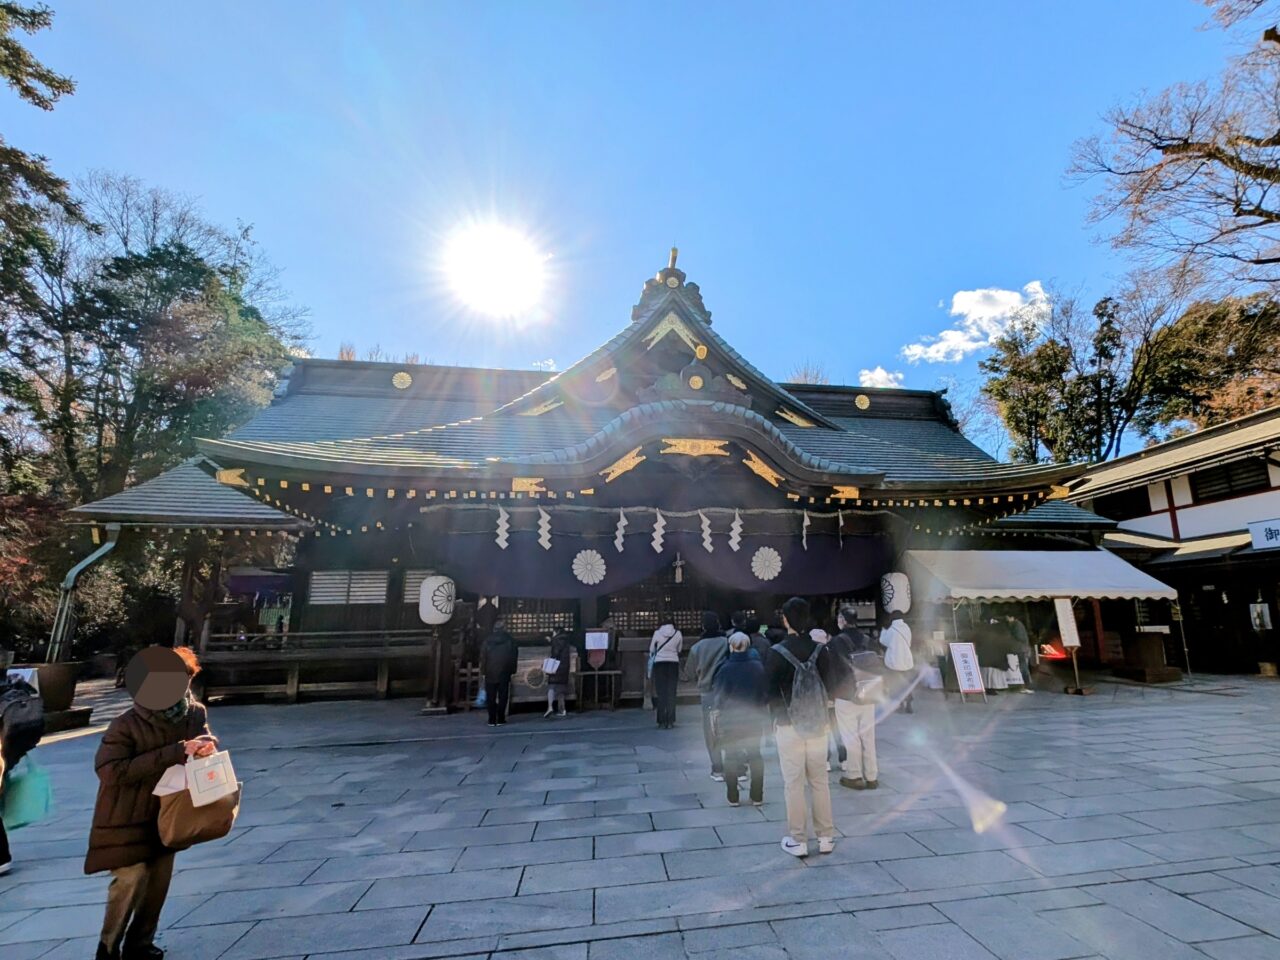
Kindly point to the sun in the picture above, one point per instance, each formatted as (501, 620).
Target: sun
(495, 269)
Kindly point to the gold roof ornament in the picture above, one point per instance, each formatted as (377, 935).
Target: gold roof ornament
(401, 380)
(762, 469)
(545, 407)
(847, 493)
(232, 478)
(792, 417)
(734, 379)
(862, 401)
(606, 375)
(528, 485)
(627, 462)
(670, 324)
(695, 447)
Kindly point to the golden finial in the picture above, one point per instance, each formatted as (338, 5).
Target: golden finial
(671, 264)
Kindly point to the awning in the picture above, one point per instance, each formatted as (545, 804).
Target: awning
(948, 575)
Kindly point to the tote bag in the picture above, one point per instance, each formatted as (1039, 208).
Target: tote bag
(182, 824)
(28, 795)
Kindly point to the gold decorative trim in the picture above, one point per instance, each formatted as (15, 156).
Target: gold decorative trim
(544, 407)
(862, 401)
(526, 485)
(762, 469)
(401, 380)
(848, 493)
(607, 375)
(792, 417)
(1058, 492)
(695, 382)
(695, 447)
(736, 381)
(670, 324)
(700, 351)
(232, 478)
(628, 462)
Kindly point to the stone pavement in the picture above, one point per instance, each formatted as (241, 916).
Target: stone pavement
(1136, 824)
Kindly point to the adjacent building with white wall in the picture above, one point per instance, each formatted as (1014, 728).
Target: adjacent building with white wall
(1195, 513)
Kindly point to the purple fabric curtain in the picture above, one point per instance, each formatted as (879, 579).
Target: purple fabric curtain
(577, 566)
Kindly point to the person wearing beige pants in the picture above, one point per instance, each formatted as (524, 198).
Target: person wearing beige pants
(804, 761)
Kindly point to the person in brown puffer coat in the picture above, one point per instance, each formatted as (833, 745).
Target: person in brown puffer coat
(137, 748)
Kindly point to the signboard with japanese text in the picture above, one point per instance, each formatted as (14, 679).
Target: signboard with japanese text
(968, 675)
(1265, 534)
(1066, 622)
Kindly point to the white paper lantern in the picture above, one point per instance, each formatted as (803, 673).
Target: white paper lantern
(895, 593)
(435, 600)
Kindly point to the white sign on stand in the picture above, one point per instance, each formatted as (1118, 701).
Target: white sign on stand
(968, 673)
(1066, 622)
(597, 639)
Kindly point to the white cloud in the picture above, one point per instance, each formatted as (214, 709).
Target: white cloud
(984, 315)
(879, 377)
(548, 365)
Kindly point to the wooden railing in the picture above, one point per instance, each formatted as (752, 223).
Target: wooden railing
(316, 640)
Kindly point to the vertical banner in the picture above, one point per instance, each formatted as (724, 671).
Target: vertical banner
(1067, 623)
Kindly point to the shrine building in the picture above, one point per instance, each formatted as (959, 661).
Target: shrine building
(661, 475)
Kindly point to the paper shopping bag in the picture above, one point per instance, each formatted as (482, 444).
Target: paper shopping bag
(27, 796)
(182, 824)
(210, 778)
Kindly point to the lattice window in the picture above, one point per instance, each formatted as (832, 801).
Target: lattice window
(1230, 480)
(343, 587)
(413, 584)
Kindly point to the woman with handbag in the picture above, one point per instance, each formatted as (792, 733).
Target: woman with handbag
(164, 727)
(558, 682)
(664, 668)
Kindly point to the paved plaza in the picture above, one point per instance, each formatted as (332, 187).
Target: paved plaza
(1131, 825)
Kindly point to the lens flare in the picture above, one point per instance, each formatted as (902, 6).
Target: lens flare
(494, 269)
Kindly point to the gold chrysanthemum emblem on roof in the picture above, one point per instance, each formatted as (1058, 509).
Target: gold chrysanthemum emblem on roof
(401, 380)
(862, 401)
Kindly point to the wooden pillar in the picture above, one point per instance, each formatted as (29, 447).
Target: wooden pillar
(291, 682)
(384, 679)
(1097, 630)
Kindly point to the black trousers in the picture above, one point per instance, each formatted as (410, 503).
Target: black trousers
(666, 674)
(5, 856)
(743, 752)
(495, 697)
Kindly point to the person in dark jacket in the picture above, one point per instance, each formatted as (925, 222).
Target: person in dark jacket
(741, 711)
(498, 660)
(862, 670)
(705, 657)
(558, 683)
(138, 747)
(803, 760)
(6, 858)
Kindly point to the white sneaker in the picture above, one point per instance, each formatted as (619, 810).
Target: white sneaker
(826, 844)
(718, 777)
(794, 847)
(4, 867)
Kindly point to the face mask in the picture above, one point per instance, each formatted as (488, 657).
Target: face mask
(177, 712)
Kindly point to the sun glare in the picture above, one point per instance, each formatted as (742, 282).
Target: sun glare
(495, 269)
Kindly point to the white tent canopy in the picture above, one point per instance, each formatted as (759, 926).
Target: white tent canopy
(949, 575)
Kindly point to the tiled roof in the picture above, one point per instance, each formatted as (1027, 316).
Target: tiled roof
(187, 494)
(1057, 513)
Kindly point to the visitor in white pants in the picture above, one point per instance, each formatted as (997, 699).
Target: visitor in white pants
(860, 683)
(857, 725)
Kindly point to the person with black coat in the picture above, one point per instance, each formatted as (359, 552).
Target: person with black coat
(498, 660)
(740, 712)
(558, 683)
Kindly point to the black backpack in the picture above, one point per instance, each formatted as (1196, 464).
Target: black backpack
(21, 719)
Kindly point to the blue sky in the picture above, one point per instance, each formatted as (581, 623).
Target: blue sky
(834, 174)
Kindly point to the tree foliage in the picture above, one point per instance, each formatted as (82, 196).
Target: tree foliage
(1071, 384)
(1191, 175)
